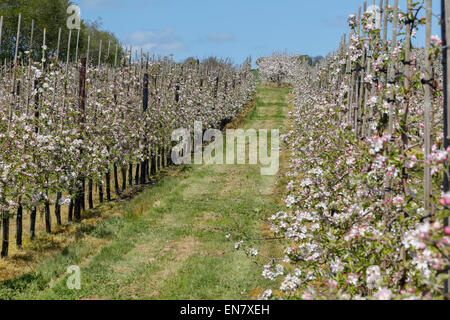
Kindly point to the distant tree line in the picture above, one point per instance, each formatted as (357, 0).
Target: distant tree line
(51, 15)
(312, 61)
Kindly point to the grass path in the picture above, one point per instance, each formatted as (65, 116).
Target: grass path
(169, 242)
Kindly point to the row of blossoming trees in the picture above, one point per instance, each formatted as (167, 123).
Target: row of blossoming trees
(366, 215)
(68, 129)
(279, 68)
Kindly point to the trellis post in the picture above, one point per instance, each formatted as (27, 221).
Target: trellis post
(59, 43)
(88, 48)
(144, 109)
(445, 29)
(82, 107)
(68, 50)
(427, 111)
(78, 43)
(100, 53)
(391, 71)
(1, 30)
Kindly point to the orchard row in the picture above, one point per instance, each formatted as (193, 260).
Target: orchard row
(65, 127)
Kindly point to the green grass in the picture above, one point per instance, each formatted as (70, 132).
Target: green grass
(169, 241)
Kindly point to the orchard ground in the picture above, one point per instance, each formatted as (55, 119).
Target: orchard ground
(169, 241)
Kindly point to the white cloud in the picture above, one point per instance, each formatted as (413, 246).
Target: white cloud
(165, 41)
(221, 37)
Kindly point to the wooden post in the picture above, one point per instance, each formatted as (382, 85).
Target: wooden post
(30, 62)
(406, 107)
(391, 95)
(82, 106)
(58, 46)
(131, 55)
(57, 58)
(427, 111)
(350, 81)
(359, 22)
(17, 39)
(391, 76)
(408, 47)
(358, 83)
(109, 47)
(43, 49)
(68, 50)
(381, 18)
(385, 23)
(144, 108)
(115, 57)
(100, 53)
(76, 49)
(142, 62)
(14, 75)
(445, 30)
(145, 93)
(361, 102)
(87, 53)
(36, 130)
(1, 30)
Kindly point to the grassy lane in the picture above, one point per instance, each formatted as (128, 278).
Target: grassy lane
(169, 242)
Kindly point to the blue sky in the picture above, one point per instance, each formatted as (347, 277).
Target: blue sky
(227, 28)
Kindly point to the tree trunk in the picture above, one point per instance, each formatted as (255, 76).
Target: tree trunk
(5, 241)
(116, 181)
(82, 193)
(100, 191)
(33, 223)
(108, 185)
(78, 204)
(153, 168)
(169, 157)
(143, 172)
(48, 222)
(158, 157)
(136, 177)
(19, 227)
(58, 208)
(77, 209)
(124, 178)
(130, 174)
(69, 216)
(90, 194)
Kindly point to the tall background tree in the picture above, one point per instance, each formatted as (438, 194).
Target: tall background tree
(51, 15)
